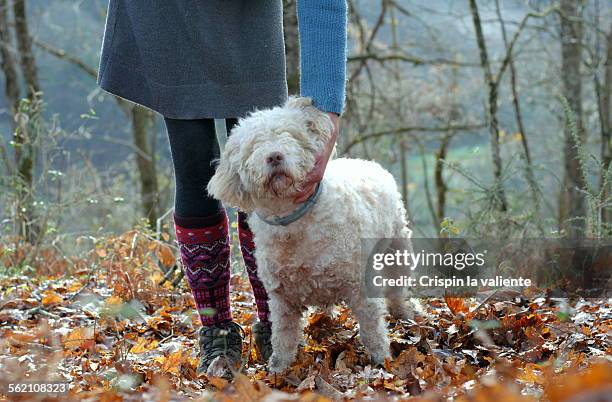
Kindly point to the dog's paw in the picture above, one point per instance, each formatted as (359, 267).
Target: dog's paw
(378, 359)
(401, 309)
(278, 364)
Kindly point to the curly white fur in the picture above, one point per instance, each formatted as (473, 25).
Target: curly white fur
(315, 261)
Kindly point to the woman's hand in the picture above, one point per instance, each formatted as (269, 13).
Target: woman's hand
(316, 174)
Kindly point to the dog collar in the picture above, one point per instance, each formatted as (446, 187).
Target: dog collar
(296, 213)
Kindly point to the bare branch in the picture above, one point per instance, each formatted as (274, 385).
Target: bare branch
(410, 129)
(492, 86)
(409, 59)
(515, 37)
(125, 106)
(62, 54)
(379, 23)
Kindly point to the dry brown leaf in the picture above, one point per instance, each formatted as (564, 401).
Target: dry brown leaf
(307, 384)
(249, 391)
(218, 382)
(171, 363)
(20, 336)
(165, 255)
(456, 304)
(505, 392)
(114, 301)
(80, 337)
(51, 297)
(576, 385)
(143, 345)
(326, 389)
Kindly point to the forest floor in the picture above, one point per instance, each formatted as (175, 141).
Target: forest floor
(104, 324)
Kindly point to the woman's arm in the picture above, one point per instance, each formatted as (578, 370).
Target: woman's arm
(322, 28)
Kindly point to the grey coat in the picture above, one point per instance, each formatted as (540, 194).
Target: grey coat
(191, 59)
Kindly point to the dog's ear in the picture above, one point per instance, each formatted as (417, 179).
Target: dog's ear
(318, 122)
(225, 185)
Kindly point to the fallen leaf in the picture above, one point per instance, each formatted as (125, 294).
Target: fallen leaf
(456, 304)
(326, 389)
(143, 345)
(51, 297)
(172, 362)
(165, 255)
(218, 382)
(80, 337)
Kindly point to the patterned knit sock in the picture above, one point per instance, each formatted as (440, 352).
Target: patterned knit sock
(248, 254)
(205, 252)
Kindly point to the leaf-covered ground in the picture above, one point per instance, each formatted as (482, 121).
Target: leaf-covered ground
(102, 323)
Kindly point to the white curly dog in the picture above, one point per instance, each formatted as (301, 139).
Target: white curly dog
(316, 260)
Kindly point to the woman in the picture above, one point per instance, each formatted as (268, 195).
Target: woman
(193, 61)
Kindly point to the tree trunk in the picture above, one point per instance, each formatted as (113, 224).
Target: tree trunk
(26, 140)
(572, 208)
(24, 44)
(8, 64)
(492, 85)
(404, 171)
(606, 128)
(292, 46)
(142, 121)
(441, 187)
(403, 144)
(529, 175)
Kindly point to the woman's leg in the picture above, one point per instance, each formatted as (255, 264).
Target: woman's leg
(261, 330)
(200, 221)
(247, 247)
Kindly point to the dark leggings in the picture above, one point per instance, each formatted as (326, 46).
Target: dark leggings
(193, 145)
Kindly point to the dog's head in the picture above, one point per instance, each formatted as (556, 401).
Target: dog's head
(269, 153)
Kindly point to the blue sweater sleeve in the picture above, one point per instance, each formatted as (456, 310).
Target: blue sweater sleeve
(322, 29)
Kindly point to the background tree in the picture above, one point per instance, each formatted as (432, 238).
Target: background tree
(7, 58)
(604, 94)
(25, 133)
(572, 207)
(142, 123)
(292, 46)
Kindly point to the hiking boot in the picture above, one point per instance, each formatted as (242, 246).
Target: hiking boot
(220, 349)
(262, 331)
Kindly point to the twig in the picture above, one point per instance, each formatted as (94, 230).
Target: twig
(409, 59)
(37, 310)
(87, 282)
(485, 301)
(169, 274)
(409, 129)
(167, 337)
(62, 54)
(178, 279)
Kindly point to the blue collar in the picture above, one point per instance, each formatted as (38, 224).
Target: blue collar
(296, 213)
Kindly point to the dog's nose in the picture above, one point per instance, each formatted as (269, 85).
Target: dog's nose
(275, 159)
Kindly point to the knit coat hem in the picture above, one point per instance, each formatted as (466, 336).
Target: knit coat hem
(175, 102)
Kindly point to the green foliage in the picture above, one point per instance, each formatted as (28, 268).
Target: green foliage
(591, 166)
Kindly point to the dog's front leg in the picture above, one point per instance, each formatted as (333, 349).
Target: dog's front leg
(370, 314)
(286, 332)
